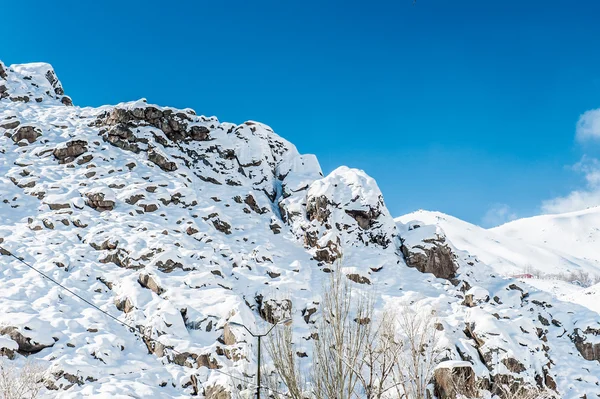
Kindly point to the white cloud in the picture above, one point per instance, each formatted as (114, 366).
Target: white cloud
(498, 214)
(580, 199)
(588, 125)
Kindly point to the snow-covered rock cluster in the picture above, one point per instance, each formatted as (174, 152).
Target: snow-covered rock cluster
(180, 225)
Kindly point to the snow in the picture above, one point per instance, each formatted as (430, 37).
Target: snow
(211, 248)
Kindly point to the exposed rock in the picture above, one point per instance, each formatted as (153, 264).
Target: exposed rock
(432, 256)
(27, 345)
(58, 206)
(70, 151)
(358, 278)
(317, 209)
(175, 125)
(161, 161)
(29, 133)
(589, 350)
(228, 336)
(199, 133)
(364, 219)
(10, 123)
(251, 202)
(513, 365)
(149, 282)
(275, 228)
(99, 203)
(273, 311)
(168, 266)
(124, 305)
(222, 226)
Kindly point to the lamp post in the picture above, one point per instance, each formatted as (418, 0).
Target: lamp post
(259, 336)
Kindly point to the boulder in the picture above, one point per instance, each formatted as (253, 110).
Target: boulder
(70, 151)
(149, 282)
(432, 255)
(98, 202)
(161, 161)
(588, 350)
(27, 345)
(273, 310)
(29, 133)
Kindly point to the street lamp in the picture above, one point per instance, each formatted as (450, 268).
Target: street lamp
(286, 322)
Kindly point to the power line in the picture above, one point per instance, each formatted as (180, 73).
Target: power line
(4, 251)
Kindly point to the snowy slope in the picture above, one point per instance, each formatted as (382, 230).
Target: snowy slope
(179, 224)
(573, 233)
(509, 253)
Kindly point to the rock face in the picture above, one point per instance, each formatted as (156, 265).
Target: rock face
(589, 349)
(34, 82)
(273, 310)
(26, 344)
(70, 150)
(29, 133)
(336, 214)
(100, 202)
(176, 125)
(428, 252)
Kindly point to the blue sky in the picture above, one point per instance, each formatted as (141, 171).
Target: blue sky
(466, 107)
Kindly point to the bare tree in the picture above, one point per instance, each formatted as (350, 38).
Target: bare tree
(343, 331)
(358, 355)
(280, 348)
(420, 352)
(381, 354)
(23, 382)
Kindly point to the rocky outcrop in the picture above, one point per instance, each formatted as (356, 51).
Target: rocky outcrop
(343, 210)
(161, 161)
(98, 202)
(176, 125)
(27, 345)
(35, 82)
(149, 282)
(589, 350)
(274, 310)
(10, 122)
(428, 252)
(69, 151)
(29, 133)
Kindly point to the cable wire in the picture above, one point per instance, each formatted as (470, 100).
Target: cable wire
(4, 251)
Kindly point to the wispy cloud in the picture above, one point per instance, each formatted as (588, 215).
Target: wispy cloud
(498, 214)
(588, 125)
(583, 198)
(587, 130)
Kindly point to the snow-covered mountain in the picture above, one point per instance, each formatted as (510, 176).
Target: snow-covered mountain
(546, 244)
(552, 248)
(575, 233)
(179, 224)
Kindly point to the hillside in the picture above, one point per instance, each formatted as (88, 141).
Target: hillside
(180, 225)
(511, 250)
(573, 233)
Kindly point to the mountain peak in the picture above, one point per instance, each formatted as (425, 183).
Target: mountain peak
(31, 82)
